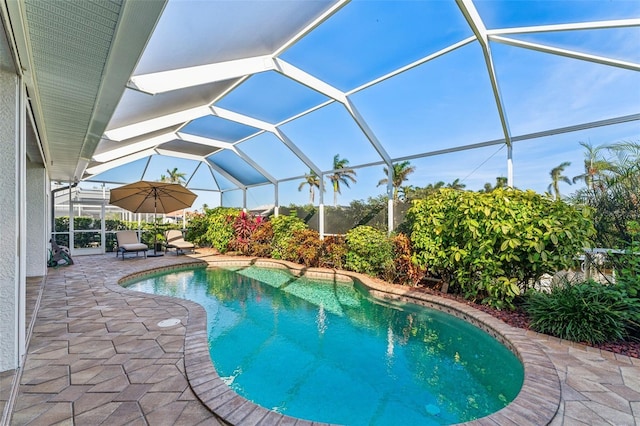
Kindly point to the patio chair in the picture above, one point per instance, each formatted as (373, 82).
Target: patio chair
(59, 254)
(128, 243)
(176, 241)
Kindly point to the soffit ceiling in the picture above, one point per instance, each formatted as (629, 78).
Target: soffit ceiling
(222, 85)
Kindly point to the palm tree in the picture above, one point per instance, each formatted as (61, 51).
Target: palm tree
(501, 182)
(174, 176)
(313, 180)
(456, 184)
(401, 171)
(594, 165)
(341, 174)
(557, 177)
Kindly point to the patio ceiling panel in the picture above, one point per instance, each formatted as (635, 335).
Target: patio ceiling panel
(271, 97)
(329, 131)
(161, 165)
(366, 40)
(506, 13)
(411, 113)
(230, 30)
(203, 179)
(236, 168)
(182, 146)
(613, 43)
(159, 122)
(110, 150)
(554, 97)
(121, 171)
(218, 128)
(136, 106)
(268, 145)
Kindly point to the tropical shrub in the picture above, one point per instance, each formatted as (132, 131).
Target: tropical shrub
(304, 247)
(214, 228)
(261, 240)
(244, 225)
(196, 232)
(404, 271)
(369, 251)
(283, 228)
(583, 312)
(491, 246)
(334, 251)
(627, 264)
(612, 178)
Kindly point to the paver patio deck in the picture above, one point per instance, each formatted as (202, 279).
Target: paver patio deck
(97, 355)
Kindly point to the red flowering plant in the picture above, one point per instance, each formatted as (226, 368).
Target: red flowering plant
(244, 225)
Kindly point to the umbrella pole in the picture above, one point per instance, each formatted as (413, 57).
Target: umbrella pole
(155, 224)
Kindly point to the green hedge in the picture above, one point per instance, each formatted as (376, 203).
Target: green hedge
(491, 246)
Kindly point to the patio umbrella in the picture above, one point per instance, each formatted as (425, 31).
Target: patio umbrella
(152, 197)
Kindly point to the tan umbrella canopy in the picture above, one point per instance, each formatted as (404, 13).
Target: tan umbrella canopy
(152, 197)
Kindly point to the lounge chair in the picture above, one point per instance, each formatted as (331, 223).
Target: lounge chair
(176, 241)
(128, 243)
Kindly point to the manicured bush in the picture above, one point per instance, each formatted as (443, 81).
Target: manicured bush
(304, 247)
(334, 252)
(214, 228)
(283, 228)
(404, 270)
(369, 251)
(261, 240)
(585, 312)
(492, 246)
(244, 225)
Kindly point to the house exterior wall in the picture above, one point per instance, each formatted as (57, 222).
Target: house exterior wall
(9, 256)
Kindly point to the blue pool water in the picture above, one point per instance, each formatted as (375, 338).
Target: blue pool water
(328, 352)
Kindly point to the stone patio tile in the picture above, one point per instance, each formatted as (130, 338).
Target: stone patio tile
(631, 377)
(237, 412)
(52, 413)
(175, 382)
(577, 411)
(584, 384)
(230, 406)
(71, 393)
(138, 345)
(272, 418)
(609, 399)
(625, 392)
(570, 394)
(42, 374)
(115, 384)
(98, 414)
(95, 375)
(52, 386)
(167, 414)
(196, 414)
(613, 416)
(52, 354)
(92, 401)
(635, 409)
(27, 400)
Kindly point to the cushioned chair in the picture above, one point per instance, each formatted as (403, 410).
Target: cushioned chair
(128, 243)
(176, 241)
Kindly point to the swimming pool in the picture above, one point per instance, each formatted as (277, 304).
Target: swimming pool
(326, 351)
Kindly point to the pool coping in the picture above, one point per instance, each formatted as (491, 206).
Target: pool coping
(536, 403)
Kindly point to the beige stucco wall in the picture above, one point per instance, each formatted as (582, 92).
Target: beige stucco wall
(9, 280)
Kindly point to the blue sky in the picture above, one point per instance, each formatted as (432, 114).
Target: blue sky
(441, 104)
